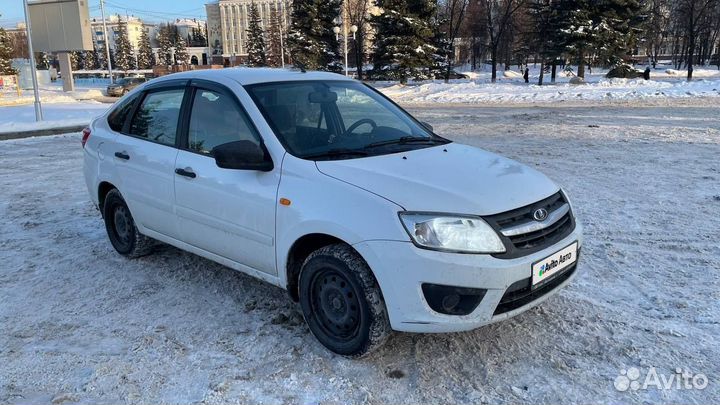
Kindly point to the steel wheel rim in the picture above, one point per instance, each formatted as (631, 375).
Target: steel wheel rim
(335, 304)
(122, 224)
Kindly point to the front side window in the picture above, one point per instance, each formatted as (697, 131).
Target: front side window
(216, 119)
(337, 120)
(157, 117)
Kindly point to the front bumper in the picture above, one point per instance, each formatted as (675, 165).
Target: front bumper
(401, 269)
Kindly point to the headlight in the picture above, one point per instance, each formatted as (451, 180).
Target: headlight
(451, 233)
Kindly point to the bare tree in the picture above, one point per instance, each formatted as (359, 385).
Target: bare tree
(657, 27)
(498, 16)
(693, 18)
(475, 30)
(452, 13)
(358, 15)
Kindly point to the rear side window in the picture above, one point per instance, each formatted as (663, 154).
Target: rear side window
(216, 119)
(157, 117)
(117, 117)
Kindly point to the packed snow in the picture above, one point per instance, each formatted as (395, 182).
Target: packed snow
(22, 117)
(79, 323)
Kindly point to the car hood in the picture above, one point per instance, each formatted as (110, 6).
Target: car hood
(451, 178)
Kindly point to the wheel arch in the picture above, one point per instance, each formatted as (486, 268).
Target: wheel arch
(103, 189)
(299, 251)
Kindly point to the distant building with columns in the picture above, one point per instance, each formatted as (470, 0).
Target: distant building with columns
(227, 22)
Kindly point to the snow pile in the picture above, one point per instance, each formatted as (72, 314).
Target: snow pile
(22, 118)
(697, 73)
(477, 92)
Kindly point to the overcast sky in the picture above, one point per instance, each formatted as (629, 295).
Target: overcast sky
(155, 10)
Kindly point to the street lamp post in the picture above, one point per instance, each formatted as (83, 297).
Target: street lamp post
(33, 67)
(353, 28)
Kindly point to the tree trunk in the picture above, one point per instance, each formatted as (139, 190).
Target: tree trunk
(691, 56)
(554, 71)
(581, 64)
(359, 44)
(542, 72)
(493, 58)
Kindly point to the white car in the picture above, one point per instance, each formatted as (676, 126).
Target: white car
(322, 186)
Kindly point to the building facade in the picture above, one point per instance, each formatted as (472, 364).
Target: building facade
(228, 23)
(135, 26)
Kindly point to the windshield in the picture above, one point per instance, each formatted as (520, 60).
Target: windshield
(122, 81)
(338, 120)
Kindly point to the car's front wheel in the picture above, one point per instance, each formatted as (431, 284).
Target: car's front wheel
(341, 301)
(121, 228)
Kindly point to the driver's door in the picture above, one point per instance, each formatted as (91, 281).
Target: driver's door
(230, 213)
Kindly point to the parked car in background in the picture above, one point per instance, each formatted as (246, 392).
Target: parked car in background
(124, 85)
(323, 186)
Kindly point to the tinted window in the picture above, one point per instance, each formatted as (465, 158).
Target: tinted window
(157, 117)
(217, 119)
(117, 117)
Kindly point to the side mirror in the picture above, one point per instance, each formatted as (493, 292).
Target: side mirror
(242, 155)
(427, 126)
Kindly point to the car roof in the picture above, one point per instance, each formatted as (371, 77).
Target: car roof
(246, 76)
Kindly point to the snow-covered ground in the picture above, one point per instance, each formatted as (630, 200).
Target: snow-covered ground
(80, 323)
(22, 117)
(60, 109)
(511, 88)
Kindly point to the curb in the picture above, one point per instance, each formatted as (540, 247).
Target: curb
(4, 136)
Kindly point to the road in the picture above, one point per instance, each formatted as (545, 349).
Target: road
(78, 323)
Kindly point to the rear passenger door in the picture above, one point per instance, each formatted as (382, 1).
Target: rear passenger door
(230, 213)
(145, 158)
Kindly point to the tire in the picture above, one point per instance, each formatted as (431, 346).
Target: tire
(121, 229)
(342, 303)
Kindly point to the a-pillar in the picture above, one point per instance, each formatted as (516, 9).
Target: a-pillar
(66, 69)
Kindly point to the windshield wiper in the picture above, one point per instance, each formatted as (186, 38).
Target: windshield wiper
(404, 140)
(335, 153)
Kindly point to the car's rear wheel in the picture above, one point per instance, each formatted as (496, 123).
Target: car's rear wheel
(121, 228)
(341, 301)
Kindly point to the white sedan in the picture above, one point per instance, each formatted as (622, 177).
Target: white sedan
(324, 187)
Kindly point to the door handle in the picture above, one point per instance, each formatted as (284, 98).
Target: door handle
(186, 172)
(122, 155)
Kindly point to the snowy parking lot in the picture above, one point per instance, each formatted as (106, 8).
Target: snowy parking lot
(79, 323)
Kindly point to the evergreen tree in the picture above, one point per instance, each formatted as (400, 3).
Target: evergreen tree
(75, 60)
(311, 40)
(144, 52)
(255, 43)
(198, 36)
(100, 58)
(165, 42)
(274, 45)
(123, 49)
(6, 51)
(606, 27)
(181, 55)
(42, 61)
(403, 39)
(543, 35)
(90, 60)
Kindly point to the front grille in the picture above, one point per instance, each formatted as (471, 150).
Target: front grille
(521, 293)
(525, 243)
